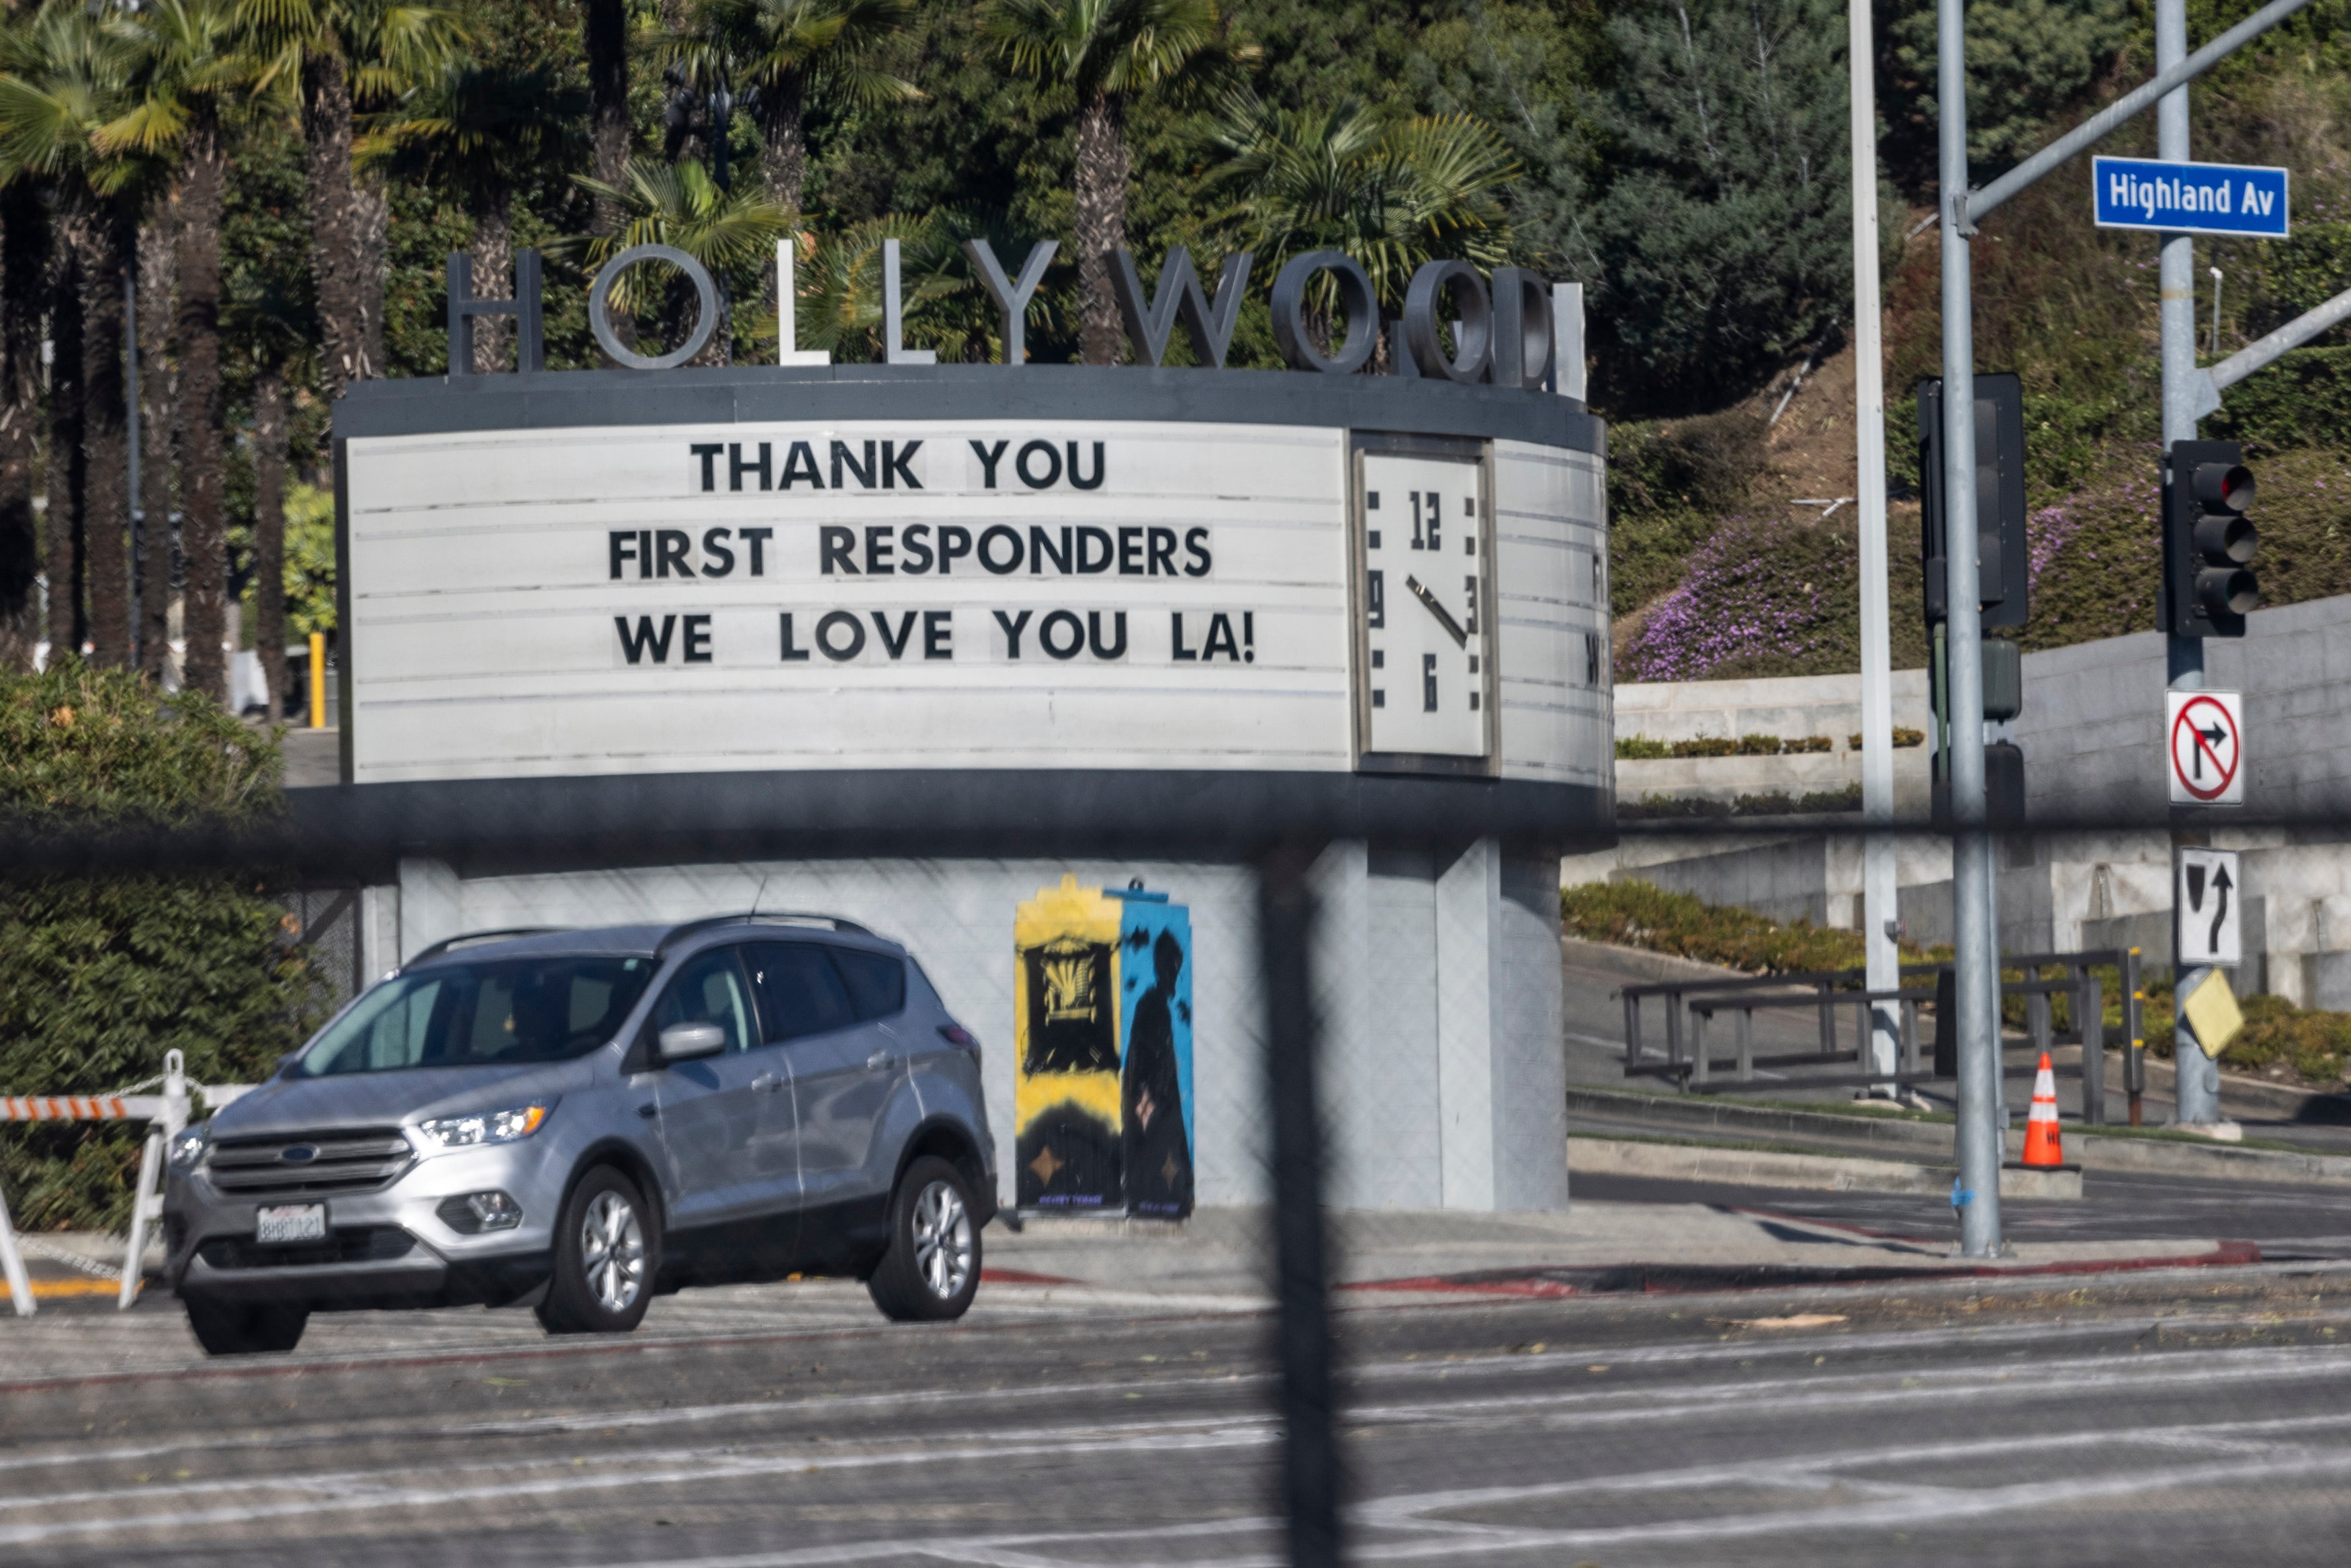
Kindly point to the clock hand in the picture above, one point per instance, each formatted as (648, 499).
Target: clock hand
(1444, 616)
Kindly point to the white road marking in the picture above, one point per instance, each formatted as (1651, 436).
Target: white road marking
(357, 1490)
(1888, 1506)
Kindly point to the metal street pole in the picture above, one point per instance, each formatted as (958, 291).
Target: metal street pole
(1879, 893)
(2199, 1088)
(1975, 961)
(138, 590)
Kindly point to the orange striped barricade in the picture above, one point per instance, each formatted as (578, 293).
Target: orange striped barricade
(166, 1115)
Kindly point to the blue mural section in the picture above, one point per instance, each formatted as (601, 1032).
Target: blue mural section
(1155, 1094)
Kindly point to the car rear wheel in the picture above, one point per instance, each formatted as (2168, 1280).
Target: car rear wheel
(228, 1328)
(932, 1269)
(607, 1247)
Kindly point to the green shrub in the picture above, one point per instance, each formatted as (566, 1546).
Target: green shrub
(106, 972)
(1759, 745)
(2316, 1046)
(1642, 915)
(1654, 808)
(1706, 746)
(1640, 748)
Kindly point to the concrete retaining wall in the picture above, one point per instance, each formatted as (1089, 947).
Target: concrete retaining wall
(2091, 734)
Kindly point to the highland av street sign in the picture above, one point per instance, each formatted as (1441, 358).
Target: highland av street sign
(2178, 198)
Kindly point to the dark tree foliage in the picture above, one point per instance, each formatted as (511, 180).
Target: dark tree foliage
(1722, 229)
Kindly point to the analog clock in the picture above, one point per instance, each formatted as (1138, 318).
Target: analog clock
(1425, 674)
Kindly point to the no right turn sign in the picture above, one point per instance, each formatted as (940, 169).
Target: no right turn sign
(2204, 734)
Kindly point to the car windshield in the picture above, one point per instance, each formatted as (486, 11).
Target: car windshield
(481, 1015)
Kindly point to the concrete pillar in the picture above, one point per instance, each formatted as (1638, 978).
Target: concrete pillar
(1501, 1072)
(378, 932)
(431, 905)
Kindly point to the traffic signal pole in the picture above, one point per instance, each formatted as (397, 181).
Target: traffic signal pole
(1976, 982)
(1977, 1004)
(2199, 1076)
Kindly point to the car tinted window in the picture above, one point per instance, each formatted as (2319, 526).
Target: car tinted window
(709, 989)
(800, 992)
(876, 982)
(518, 1009)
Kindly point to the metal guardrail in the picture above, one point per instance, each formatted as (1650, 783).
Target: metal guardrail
(1692, 1007)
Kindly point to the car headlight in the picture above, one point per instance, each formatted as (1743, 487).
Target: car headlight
(188, 1148)
(482, 1127)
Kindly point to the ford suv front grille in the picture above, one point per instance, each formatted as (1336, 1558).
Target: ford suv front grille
(352, 1160)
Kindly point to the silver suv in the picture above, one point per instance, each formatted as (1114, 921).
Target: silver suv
(585, 1119)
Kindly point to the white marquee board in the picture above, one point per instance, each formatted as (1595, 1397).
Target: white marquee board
(918, 593)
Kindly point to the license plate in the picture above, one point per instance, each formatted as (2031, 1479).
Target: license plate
(289, 1222)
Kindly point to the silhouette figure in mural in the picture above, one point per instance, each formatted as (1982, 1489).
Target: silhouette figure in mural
(1159, 1154)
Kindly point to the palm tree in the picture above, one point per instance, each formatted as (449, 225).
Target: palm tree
(192, 62)
(779, 54)
(1106, 52)
(24, 264)
(343, 55)
(679, 204)
(277, 332)
(67, 74)
(604, 35)
(840, 305)
(474, 131)
(1390, 193)
(157, 406)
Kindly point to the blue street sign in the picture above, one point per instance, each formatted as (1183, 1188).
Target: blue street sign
(2189, 198)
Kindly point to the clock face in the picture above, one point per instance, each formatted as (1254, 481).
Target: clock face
(1426, 646)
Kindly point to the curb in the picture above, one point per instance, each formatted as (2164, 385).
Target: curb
(1591, 1155)
(1676, 1279)
(2093, 1151)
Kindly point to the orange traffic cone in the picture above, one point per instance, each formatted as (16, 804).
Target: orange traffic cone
(2042, 1144)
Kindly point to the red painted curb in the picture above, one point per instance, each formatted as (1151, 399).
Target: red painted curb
(1022, 1277)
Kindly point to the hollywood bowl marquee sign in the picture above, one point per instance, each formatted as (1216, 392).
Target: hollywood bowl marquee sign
(918, 644)
(660, 569)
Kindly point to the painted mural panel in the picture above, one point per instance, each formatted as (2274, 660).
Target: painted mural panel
(1065, 1028)
(1155, 1095)
(1103, 1098)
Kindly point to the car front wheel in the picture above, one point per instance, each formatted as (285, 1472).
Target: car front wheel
(932, 1269)
(607, 1247)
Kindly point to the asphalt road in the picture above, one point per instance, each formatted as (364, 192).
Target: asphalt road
(2190, 1418)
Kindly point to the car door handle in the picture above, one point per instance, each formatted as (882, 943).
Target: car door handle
(768, 1081)
(876, 1061)
(649, 1112)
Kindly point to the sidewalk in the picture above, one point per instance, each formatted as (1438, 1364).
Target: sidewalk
(1221, 1258)
(1421, 1255)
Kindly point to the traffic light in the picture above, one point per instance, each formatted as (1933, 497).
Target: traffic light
(2207, 489)
(2001, 565)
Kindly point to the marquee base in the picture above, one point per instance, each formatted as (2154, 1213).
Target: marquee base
(1436, 977)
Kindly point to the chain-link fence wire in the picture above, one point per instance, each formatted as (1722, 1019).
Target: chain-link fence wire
(1261, 923)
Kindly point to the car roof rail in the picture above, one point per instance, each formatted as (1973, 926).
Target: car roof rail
(685, 928)
(463, 938)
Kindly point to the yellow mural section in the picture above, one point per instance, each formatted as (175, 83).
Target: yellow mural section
(1066, 1047)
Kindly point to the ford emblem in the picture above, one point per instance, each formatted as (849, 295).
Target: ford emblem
(299, 1154)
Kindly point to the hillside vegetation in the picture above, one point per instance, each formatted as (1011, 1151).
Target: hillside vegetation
(1719, 575)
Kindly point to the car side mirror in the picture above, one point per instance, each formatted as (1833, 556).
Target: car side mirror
(686, 1042)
